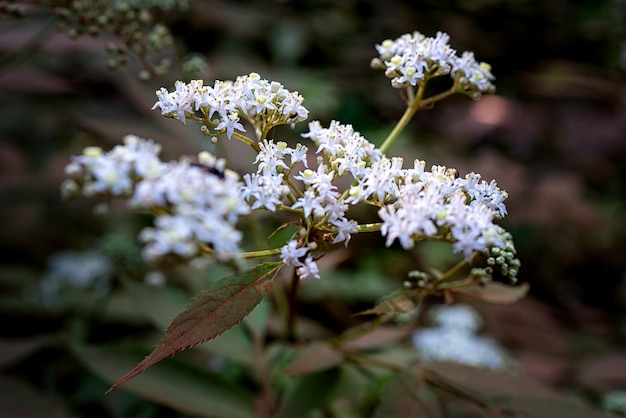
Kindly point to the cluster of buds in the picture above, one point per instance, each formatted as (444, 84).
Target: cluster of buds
(131, 22)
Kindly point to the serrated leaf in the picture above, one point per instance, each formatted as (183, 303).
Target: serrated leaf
(160, 306)
(174, 383)
(310, 392)
(314, 358)
(213, 311)
(495, 292)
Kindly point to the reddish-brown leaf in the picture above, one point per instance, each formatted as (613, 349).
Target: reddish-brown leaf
(495, 292)
(224, 304)
(394, 305)
(314, 358)
(379, 337)
(401, 398)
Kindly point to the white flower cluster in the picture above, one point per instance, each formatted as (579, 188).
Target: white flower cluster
(414, 202)
(196, 202)
(412, 57)
(75, 269)
(454, 339)
(265, 104)
(319, 201)
(437, 203)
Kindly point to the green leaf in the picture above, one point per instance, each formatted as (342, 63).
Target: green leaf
(314, 358)
(310, 392)
(494, 292)
(174, 383)
(213, 311)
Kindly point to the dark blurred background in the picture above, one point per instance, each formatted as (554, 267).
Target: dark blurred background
(553, 136)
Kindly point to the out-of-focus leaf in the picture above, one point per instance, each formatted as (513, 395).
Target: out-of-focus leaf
(516, 393)
(549, 408)
(174, 383)
(377, 338)
(395, 357)
(256, 322)
(314, 358)
(495, 292)
(396, 303)
(403, 398)
(211, 312)
(19, 399)
(160, 305)
(12, 351)
(310, 392)
(485, 383)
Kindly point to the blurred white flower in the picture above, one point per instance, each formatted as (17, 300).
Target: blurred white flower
(75, 269)
(454, 339)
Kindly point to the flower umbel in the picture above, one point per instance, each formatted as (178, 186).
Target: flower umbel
(197, 202)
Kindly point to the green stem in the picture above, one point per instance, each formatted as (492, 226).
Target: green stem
(247, 140)
(374, 227)
(454, 270)
(250, 255)
(414, 105)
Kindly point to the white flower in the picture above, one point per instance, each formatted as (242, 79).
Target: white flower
(271, 156)
(309, 269)
(76, 269)
(345, 228)
(262, 100)
(291, 254)
(458, 317)
(198, 203)
(407, 58)
(230, 123)
(263, 190)
(454, 339)
(309, 202)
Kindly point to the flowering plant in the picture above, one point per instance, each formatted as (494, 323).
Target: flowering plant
(197, 204)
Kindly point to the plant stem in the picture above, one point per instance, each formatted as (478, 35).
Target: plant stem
(247, 140)
(250, 255)
(413, 106)
(373, 227)
(454, 270)
(292, 300)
